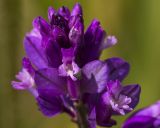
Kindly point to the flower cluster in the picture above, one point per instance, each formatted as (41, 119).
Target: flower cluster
(63, 71)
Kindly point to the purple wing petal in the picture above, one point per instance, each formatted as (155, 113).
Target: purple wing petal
(49, 101)
(50, 77)
(99, 70)
(119, 68)
(88, 85)
(35, 52)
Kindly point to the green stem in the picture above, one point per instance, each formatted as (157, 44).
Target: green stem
(82, 116)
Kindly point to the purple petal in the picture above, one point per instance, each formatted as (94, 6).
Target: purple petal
(77, 10)
(35, 52)
(99, 70)
(64, 11)
(119, 68)
(49, 101)
(50, 77)
(53, 53)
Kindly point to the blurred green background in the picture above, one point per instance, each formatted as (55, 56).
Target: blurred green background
(136, 23)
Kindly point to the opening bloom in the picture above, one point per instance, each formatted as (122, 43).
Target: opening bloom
(148, 117)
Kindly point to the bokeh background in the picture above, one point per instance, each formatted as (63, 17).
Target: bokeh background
(136, 23)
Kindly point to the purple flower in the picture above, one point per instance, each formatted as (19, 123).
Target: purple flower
(148, 117)
(63, 71)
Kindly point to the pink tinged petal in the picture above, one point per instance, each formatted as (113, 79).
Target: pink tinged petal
(120, 102)
(26, 81)
(69, 70)
(109, 42)
(35, 52)
(69, 67)
(51, 11)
